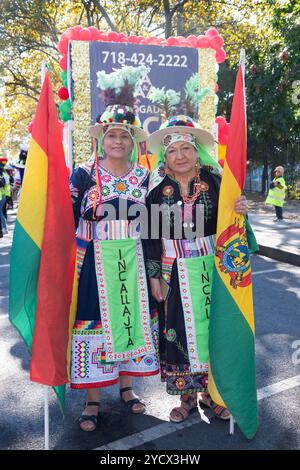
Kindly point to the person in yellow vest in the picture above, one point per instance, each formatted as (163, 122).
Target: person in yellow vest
(276, 193)
(4, 183)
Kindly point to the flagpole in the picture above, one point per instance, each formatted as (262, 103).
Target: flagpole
(43, 71)
(242, 62)
(231, 425)
(46, 396)
(46, 417)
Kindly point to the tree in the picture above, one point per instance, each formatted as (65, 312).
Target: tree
(30, 30)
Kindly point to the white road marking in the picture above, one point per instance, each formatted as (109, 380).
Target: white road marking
(277, 270)
(166, 428)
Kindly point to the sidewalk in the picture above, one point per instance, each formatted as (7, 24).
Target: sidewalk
(277, 240)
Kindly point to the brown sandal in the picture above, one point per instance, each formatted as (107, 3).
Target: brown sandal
(218, 410)
(184, 412)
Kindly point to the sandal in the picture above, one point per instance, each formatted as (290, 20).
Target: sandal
(218, 410)
(130, 403)
(91, 418)
(182, 411)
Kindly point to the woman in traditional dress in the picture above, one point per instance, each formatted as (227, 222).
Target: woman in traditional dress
(113, 335)
(186, 177)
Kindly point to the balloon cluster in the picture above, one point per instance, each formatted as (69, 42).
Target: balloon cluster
(65, 108)
(211, 40)
(223, 130)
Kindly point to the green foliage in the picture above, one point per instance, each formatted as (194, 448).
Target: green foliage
(30, 31)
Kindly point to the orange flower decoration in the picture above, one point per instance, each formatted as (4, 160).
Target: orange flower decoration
(168, 191)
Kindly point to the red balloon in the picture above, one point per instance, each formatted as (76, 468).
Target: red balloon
(63, 46)
(103, 37)
(94, 34)
(77, 28)
(216, 88)
(63, 93)
(216, 42)
(193, 40)
(172, 41)
(67, 34)
(184, 43)
(77, 36)
(222, 123)
(85, 34)
(132, 39)
(94, 30)
(64, 63)
(113, 36)
(202, 42)
(220, 120)
(153, 40)
(220, 55)
(124, 39)
(211, 32)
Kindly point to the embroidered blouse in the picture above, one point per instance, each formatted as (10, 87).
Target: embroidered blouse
(168, 193)
(131, 187)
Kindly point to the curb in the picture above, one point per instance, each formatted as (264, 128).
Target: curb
(279, 255)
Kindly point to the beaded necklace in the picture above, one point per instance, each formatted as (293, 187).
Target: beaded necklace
(199, 186)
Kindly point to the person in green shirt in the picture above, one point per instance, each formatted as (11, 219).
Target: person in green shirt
(276, 193)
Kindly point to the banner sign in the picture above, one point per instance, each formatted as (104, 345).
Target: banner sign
(169, 67)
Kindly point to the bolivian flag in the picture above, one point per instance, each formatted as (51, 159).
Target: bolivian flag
(232, 381)
(42, 272)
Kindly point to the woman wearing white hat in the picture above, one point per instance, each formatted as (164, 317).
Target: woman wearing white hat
(186, 177)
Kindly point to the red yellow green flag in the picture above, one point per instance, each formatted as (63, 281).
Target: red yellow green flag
(42, 272)
(232, 378)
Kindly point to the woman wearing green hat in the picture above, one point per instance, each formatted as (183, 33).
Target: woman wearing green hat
(114, 332)
(186, 178)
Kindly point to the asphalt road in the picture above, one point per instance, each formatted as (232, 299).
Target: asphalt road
(276, 297)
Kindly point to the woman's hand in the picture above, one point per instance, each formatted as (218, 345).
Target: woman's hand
(156, 289)
(241, 205)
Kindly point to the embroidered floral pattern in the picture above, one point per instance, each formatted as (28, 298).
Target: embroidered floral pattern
(161, 171)
(93, 194)
(136, 193)
(106, 178)
(153, 268)
(171, 335)
(208, 205)
(139, 171)
(180, 383)
(203, 186)
(168, 191)
(114, 186)
(120, 187)
(133, 180)
(74, 192)
(105, 190)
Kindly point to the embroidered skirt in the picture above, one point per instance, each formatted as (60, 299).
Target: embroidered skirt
(92, 364)
(184, 316)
